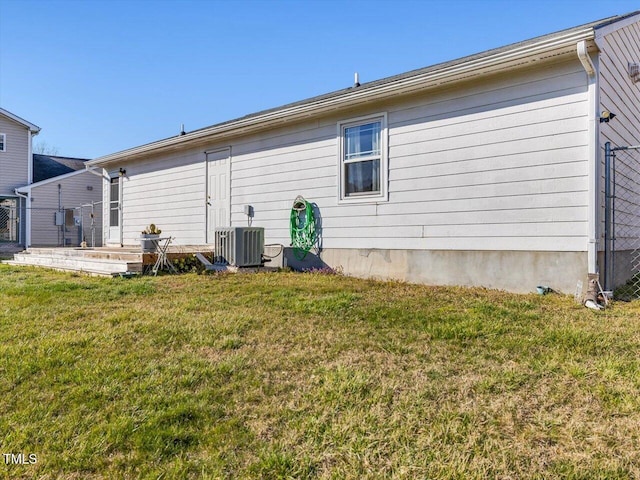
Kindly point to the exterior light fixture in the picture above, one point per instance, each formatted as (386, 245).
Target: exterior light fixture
(122, 172)
(606, 116)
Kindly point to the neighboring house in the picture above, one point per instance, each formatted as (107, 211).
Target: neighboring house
(34, 187)
(16, 169)
(62, 210)
(486, 170)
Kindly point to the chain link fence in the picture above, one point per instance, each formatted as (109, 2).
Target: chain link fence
(622, 221)
(8, 220)
(67, 226)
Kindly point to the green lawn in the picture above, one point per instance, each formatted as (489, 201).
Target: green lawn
(282, 375)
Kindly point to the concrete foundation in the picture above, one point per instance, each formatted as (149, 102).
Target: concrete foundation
(515, 271)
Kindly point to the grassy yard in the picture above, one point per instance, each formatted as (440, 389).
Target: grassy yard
(285, 375)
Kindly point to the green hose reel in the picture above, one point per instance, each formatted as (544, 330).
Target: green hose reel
(302, 227)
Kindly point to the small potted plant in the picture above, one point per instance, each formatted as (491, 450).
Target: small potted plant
(149, 237)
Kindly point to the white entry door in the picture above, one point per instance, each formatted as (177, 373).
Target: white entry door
(218, 198)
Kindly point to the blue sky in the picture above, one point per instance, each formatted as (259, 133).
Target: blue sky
(102, 76)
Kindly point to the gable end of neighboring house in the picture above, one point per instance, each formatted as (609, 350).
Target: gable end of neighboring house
(479, 171)
(16, 136)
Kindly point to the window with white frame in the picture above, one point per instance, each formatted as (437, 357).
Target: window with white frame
(3, 142)
(363, 158)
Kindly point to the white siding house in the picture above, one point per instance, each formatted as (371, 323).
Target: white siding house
(481, 171)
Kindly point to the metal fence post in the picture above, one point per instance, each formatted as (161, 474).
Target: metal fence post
(608, 274)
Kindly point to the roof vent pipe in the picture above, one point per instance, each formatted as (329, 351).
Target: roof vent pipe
(356, 80)
(182, 132)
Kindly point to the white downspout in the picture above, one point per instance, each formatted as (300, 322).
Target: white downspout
(27, 212)
(594, 154)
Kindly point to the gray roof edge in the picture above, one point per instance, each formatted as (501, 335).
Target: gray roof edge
(59, 157)
(588, 29)
(610, 21)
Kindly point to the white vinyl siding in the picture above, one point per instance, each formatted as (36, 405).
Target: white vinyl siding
(494, 165)
(169, 192)
(621, 96)
(14, 160)
(500, 163)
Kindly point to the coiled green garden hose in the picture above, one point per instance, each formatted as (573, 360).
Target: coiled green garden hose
(303, 227)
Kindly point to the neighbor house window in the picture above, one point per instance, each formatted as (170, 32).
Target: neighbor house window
(363, 159)
(3, 142)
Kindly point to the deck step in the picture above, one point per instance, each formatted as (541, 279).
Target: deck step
(94, 262)
(106, 261)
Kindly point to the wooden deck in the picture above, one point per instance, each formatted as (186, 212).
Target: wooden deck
(107, 261)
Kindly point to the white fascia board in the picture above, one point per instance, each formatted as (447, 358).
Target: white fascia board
(448, 73)
(32, 128)
(27, 188)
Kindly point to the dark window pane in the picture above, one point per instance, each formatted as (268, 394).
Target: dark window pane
(362, 177)
(115, 190)
(114, 218)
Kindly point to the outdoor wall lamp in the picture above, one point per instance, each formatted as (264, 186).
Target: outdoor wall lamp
(606, 116)
(122, 172)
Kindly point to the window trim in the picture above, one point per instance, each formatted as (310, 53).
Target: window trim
(383, 194)
(4, 142)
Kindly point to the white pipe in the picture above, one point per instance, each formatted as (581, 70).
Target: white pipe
(594, 150)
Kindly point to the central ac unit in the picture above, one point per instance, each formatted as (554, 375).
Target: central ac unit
(239, 246)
